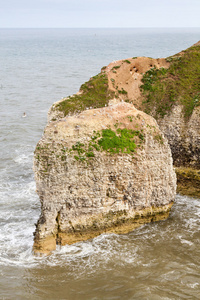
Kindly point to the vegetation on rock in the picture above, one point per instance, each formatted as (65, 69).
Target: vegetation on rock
(180, 83)
(127, 61)
(116, 67)
(119, 141)
(123, 140)
(94, 93)
(123, 92)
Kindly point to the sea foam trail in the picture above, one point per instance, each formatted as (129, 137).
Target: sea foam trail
(18, 227)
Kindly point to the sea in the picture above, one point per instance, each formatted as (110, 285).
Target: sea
(156, 261)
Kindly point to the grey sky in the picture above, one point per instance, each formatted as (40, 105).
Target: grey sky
(99, 13)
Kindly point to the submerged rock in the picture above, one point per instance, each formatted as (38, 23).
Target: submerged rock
(106, 169)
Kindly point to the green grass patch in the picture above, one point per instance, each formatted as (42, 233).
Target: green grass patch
(115, 68)
(127, 61)
(130, 118)
(111, 141)
(95, 94)
(90, 154)
(123, 92)
(123, 140)
(180, 83)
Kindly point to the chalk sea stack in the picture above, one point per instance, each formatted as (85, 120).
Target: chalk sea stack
(101, 170)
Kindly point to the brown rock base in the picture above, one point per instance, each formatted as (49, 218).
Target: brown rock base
(188, 182)
(121, 221)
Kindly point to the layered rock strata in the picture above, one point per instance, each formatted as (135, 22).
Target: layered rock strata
(102, 170)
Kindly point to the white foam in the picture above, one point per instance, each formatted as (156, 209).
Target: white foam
(193, 285)
(183, 241)
(100, 252)
(23, 159)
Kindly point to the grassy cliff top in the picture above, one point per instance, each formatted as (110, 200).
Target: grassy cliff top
(176, 82)
(180, 83)
(93, 94)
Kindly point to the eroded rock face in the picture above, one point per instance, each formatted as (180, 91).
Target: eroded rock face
(183, 136)
(102, 170)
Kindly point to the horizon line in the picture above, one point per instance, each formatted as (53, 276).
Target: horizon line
(185, 27)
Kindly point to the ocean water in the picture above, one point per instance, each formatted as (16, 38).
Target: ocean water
(156, 261)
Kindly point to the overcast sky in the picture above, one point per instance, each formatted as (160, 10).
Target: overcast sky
(99, 13)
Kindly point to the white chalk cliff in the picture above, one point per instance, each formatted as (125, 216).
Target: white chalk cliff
(106, 169)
